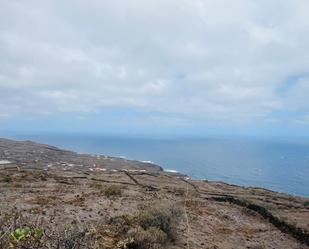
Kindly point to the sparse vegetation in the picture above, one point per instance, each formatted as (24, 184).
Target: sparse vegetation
(19, 233)
(157, 226)
(44, 200)
(160, 217)
(7, 179)
(82, 209)
(113, 190)
(26, 238)
(126, 243)
(152, 238)
(151, 228)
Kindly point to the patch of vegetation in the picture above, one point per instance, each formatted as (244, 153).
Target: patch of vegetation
(96, 185)
(175, 191)
(152, 238)
(258, 247)
(180, 192)
(153, 228)
(7, 179)
(123, 220)
(45, 200)
(113, 190)
(18, 232)
(17, 185)
(150, 219)
(26, 238)
(73, 237)
(43, 177)
(127, 243)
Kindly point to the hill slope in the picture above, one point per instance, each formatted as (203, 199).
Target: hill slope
(84, 201)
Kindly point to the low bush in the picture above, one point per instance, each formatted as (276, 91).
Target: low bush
(7, 179)
(163, 217)
(113, 190)
(26, 238)
(19, 231)
(153, 227)
(152, 238)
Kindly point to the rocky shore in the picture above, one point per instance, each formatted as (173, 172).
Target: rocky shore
(67, 200)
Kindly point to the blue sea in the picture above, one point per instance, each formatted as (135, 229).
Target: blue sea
(274, 163)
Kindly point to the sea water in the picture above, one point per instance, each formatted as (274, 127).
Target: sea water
(273, 163)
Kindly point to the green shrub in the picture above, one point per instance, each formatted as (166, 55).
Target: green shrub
(25, 237)
(19, 235)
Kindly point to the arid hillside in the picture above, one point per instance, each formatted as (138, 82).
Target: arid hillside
(51, 198)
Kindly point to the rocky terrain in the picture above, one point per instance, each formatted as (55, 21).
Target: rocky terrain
(51, 198)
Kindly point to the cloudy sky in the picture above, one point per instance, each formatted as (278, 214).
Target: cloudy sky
(161, 66)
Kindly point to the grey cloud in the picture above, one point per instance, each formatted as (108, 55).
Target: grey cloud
(81, 56)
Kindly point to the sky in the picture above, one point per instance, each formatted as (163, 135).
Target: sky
(155, 66)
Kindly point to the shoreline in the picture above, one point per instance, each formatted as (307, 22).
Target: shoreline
(156, 166)
(65, 187)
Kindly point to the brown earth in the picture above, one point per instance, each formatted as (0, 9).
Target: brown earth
(83, 201)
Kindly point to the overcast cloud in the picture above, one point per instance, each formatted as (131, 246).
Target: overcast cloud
(175, 61)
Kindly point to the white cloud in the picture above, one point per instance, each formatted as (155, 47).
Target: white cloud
(211, 60)
(297, 97)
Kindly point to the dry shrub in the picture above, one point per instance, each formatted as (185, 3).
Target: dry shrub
(257, 247)
(152, 238)
(120, 225)
(7, 179)
(154, 227)
(163, 217)
(113, 190)
(96, 185)
(123, 220)
(44, 200)
(36, 235)
(73, 238)
(180, 192)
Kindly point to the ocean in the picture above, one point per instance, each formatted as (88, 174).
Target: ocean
(274, 163)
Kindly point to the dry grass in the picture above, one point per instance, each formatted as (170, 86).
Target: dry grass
(152, 238)
(70, 237)
(224, 230)
(161, 217)
(45, 200)
(152, 228)
(113, 191)
(7, 179)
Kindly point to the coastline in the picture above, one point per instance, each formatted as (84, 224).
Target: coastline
(66, 186)
(241, 161)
